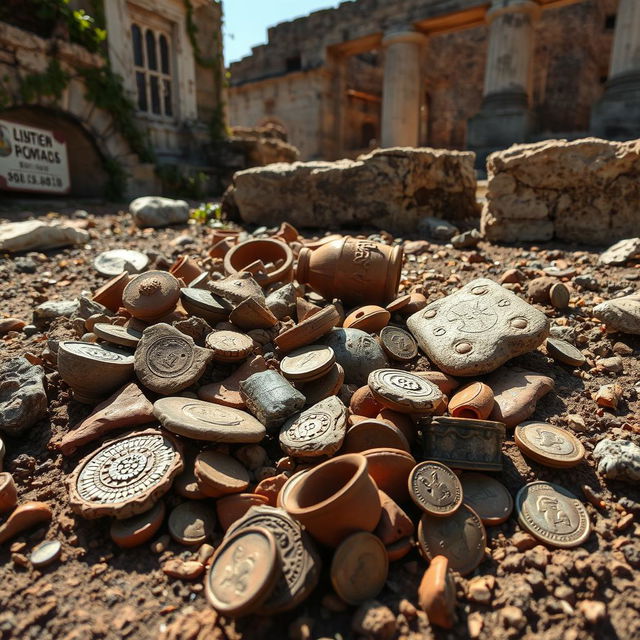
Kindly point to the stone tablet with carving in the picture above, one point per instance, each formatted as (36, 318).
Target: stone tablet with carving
(478, 328)
(552, 514)
(125, 476)
(299, 561)
(202, 420)
(404, 392)
(318, 431)
(168, 361)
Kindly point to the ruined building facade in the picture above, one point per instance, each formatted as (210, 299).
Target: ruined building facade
(460, 74)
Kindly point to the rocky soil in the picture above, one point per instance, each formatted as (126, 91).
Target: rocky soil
(521, 589)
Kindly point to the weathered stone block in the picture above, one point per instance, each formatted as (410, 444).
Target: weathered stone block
(581, 191)
(388, 188)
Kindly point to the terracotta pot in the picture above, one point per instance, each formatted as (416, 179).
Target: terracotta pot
(354, 270)
(110, 293)
(315, 244)
(473, 401)
(287, 233)
(289, 484)
(269, 251)
(224, 234)
(233, 507)
(390, 469)
(373, 434)
(186, 268)
(335, 499)
(8, 492)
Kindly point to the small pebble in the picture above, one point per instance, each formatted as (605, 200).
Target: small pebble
(45, 553)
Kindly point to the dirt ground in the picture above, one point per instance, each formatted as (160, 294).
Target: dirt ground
(97, 590)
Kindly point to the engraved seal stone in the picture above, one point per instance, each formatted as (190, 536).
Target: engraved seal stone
(318, 431)
(125, 476)
(478, 328)
(552, 514)
(403, 391)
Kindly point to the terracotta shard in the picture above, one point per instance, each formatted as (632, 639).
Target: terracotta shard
(437, 593)
(127, 407)
(27, 515)
(309, 330)
(251, 314)
(237, 288)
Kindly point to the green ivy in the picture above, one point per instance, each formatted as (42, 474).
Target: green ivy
(50, 83)
(117, 181)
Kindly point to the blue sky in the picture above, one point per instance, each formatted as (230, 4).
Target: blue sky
(246, 21)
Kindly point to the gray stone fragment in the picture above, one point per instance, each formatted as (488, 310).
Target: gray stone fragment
(3, 451)
(23, 400)
(467, 239)
(586, 282)
(33, 235)
(271, 398)
(153, 211)
(620, 314)
(618, 460)
(437, 228)
(282, 302)
(621, 251)
(51, 310)
(88, 307)
(478, 328)
(357, 353)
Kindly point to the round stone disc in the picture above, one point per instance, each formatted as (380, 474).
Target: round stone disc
(565, 352)
(398, 344)
(549, 445)
(559, 296)
(299, 562)
(219, 474)
(45, 553)
(404, 392)
(192, 522)
(99, 352)
(460, 537)
(229, 346)
(435, 488)
(114, 262)
(243, 571)
(307, 363)
(359, 568)
(117, 334)
(202, 420)
(552, 514)
(487, 497)
(125, 476)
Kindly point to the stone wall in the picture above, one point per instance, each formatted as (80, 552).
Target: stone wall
(586, 191)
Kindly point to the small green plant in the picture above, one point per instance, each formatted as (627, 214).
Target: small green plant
(208, 213)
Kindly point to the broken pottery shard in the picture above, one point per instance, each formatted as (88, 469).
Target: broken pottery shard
(516, 392)
(238, 288)
(33, 235)
(621, 251)
(168, 361)
(478, 328)
(127, 407)
(618, 460)
(282, 302)
(23, 400)
(357, 353)
(621, 314)
(227, 392)
(317, 431)
(271, 398)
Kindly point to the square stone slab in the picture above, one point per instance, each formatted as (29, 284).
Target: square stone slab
(478, 328)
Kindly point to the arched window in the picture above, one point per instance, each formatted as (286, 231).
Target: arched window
(152, 60)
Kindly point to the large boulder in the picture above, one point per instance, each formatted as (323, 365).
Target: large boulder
(153, 211)
(388, 188)
(583, 191)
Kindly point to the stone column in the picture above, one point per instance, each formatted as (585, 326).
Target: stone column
(401, 93)
(617, 114)
(505, 118)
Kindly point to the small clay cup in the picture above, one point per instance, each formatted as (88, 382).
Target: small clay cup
(233, 507)
(8, 492)
(390, 469)
(224, 234)
(269, 251)
(186, 268)
(474, 401)
(110, 293)
(355, 270)
(221, 248)
(335, 499)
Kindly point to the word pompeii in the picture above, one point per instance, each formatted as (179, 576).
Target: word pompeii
(31, 145)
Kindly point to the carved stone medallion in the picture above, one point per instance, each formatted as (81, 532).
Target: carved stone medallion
(125, 476)
(403, 391)
(552, 514)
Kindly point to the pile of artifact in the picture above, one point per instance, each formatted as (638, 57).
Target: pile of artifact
(272, 386)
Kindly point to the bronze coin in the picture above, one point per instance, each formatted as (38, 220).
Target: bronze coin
(243, 571)
(403, 391)
(307, 363)
(487, 497)
(549, 445)
(359, 568)
(460, 537)
(398, 344)
(435, 488)
(229, 346)
(552, 514)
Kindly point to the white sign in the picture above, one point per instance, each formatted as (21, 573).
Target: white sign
(32, 159)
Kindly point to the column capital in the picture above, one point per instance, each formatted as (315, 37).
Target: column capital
(407, 34)
(501, 7)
